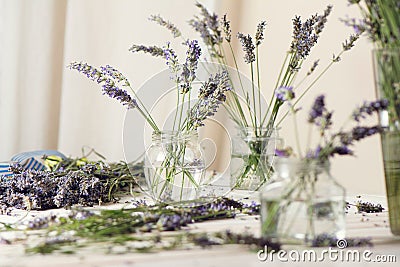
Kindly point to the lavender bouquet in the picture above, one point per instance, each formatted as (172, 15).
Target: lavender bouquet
(178, 160)
(257, 122)
(303, 201)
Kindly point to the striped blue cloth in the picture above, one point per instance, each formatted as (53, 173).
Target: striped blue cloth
(32, 160)
(4, 168)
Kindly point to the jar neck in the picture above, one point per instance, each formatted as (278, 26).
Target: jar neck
(262, 132)
(293, 167)
(174, 136)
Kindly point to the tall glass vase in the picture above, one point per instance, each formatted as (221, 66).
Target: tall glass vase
(252, 157)
(387, 82)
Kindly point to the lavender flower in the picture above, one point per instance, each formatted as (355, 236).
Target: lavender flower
(368, 108)
(189, 67)
(304, 37)
(226, 26)
(284, 153)
(260, 32)
(285, 93)
(342, 150)
(109, 78)
(152, 50)
(317, 109)
(313, 67)
(360, 132)
(172, 62)
(171, 27)
(208, 27)
(321, 20)
(248, 47)
(211, 95)
(348, 44)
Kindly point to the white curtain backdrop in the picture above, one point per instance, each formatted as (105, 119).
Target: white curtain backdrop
(44, 105)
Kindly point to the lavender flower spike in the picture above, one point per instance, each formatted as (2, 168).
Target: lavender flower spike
(171, 27)
(368, 108)
(189, 67)
(109, 78)
(226, 26)
(152, 50)
(317, 109)
(212, 94)
(260, 32)
(248, 47)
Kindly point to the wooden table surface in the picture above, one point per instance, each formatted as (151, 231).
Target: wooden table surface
(358, 225)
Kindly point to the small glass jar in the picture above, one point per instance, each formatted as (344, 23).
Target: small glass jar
(174, 166)
(253, 151)
(302, 202)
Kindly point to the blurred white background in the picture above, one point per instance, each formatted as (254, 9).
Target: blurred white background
(44, 105)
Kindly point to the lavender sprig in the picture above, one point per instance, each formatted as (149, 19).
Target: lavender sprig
(304, 37)
(190, 66)
(339, 143)
(211, 95)
(259, 37)
(167, 24)
(368, 108)
(208, 26)
(226, 26)
(172, 62)
(248, 47)
(152, 50)
(108, 77)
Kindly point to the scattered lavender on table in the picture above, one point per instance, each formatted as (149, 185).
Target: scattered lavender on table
(368, 207)
(326, 240)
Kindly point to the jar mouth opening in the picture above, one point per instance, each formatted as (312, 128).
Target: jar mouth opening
(302, 163)
(174, 135)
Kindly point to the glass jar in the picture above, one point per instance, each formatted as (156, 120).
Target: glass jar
(174, 166)
(252, 157)
(302, 202)
(387, 83)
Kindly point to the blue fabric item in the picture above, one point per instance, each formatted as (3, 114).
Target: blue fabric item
(33, 160)
(4, 168)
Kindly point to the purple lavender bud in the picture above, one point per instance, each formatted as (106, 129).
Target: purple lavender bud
(342, 150)
(317, 109)
(285, 93)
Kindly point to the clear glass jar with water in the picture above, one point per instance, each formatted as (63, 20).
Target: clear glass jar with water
(174, 166)
(302, 202)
